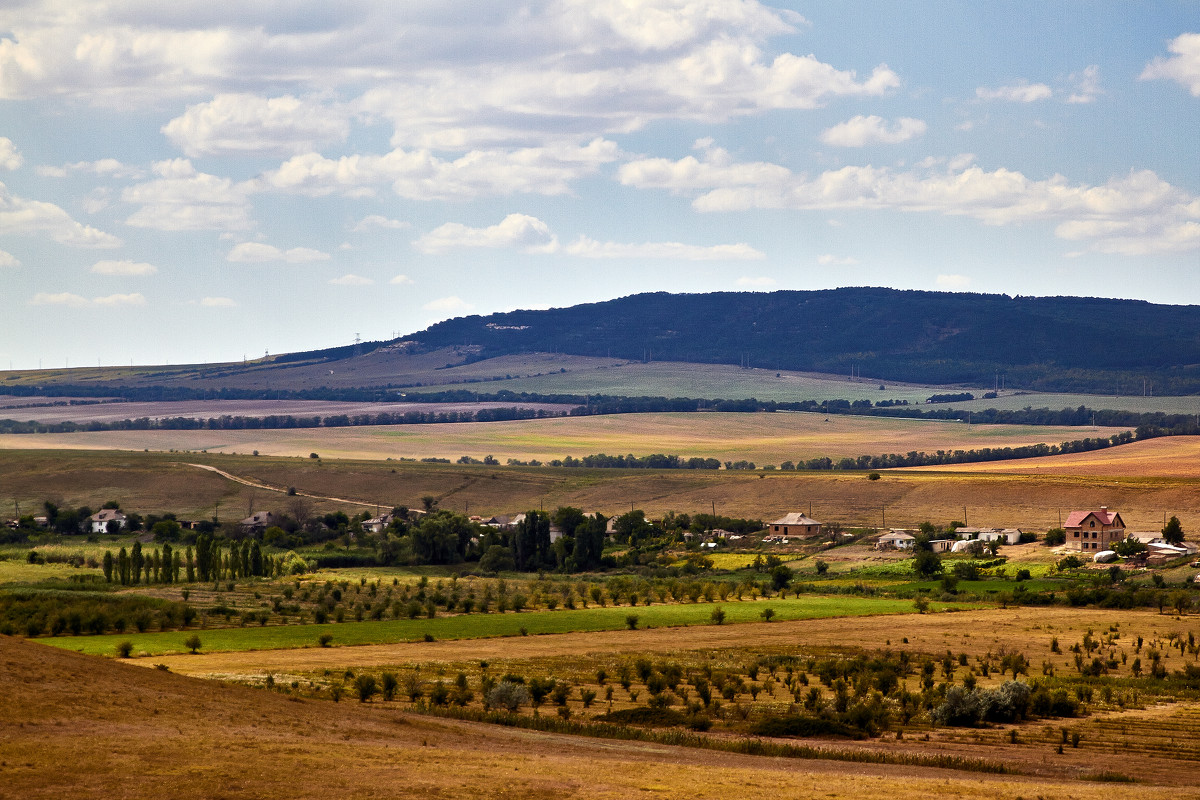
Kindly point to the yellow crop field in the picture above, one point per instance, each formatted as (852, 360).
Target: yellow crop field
(761, 438)
(1166, 457)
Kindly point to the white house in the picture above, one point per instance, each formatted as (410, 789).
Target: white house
(898, 540)
(101, 519)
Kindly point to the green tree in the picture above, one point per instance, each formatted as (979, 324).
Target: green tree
(1173, 531)
(123, 567)
(718, 616)
(137, 561)
(532, 541)
(365, 687)
(926, 563)
(192, 643)
(108, 566)
(168, 563)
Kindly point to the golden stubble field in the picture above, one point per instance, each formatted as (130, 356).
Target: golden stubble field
(93, 727)
(761, 438)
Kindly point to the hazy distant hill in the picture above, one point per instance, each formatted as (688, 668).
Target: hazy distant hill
(1042, 343)
(1062, 343)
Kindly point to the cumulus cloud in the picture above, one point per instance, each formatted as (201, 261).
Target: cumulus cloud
(1017, 93)
(350, 279)
(9, 157)
(373, 222)
(21, 215)
(104, 167)
(516, 231)
(259, 253)
(1183, 67)
(71, 300)
(421, 175)
(952, 283)
(123, 268)
(8, 259)
(248, 123)
(860, 131)
(184, 199)
(217, 302)
(585, 247)
(133, 299)
(1136, 214)
(756, 283)
(448, 304)
(400, 280)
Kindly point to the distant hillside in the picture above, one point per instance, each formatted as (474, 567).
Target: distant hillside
(1047, 343)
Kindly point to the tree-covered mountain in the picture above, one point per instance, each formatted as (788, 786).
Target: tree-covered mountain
(1048, 343)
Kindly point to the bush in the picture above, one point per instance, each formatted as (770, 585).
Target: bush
(800, 725)
(192, 643)
(507, 695)
(324, 639)
(124, 649)
(365, 687)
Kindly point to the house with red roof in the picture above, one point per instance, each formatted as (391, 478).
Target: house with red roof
(1093, 531)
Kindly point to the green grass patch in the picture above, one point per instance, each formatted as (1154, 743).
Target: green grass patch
(477, 626)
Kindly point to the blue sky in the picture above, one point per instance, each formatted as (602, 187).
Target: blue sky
(198, 181)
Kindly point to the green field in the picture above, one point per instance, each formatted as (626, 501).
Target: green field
(476, 626)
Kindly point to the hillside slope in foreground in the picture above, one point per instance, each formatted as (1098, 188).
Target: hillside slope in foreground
(79, 726)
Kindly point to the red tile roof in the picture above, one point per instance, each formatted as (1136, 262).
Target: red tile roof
(1104, 517)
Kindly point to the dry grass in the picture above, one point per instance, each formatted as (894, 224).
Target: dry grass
(1165, 457)
(156, 482)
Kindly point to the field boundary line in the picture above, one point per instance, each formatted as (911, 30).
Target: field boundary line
(268, 487)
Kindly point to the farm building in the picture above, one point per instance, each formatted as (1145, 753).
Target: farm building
(99, 521)
(941, 545)
(258, 521)
(1093, 531)
(896, 540)
(378, 524)
(794, 524)
(1004, 536)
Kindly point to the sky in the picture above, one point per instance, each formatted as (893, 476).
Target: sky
(208, 181)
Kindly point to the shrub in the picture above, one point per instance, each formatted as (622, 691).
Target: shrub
(718, 615)
(508, 696)
(631, 621)
(365, 687)
(124, 649)
(192, 643)
(324, 639)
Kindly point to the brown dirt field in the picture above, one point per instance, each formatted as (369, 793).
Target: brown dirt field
(1167, 456)
(78, 726)
(156, 482)
(971, 632)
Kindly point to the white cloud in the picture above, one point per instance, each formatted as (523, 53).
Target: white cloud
(952, 283)
(378, 222)
(759, 283)
(1183, 67)
(829, 260)
(123, 268)
(104, 167)
(1134, 215)
(259, 253)
(1087, 85)
(1017, 93)
(860, 131)
(20, 215)
(59, 299)
(182, 199)
(134, 299)
(420, 175)
(518, 231)
(8, 260)
(9, 157)
(400, 280)
(585, 247)
(352, 280)
(71, 300)
(247, 123)
(217, 302)
(448, 304)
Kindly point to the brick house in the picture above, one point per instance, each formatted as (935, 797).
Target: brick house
(1093, 531)
(794, 524)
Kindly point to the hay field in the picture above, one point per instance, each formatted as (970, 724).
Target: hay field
(79, 726)
(761, 438)
(1165, 457)
(207, 409)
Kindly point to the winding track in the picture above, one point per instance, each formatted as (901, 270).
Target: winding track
(268, 487)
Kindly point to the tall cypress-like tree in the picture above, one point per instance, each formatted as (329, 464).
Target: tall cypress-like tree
(137, 561)
(168, 564)
(191, 566)
(108, 566)
(123, 567)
